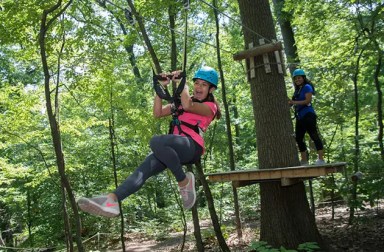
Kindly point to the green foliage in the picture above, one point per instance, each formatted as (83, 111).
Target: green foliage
(308, 246)
(262, 246)
(97, 81)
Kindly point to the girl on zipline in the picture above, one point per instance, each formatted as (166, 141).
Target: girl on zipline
(305, 116)
(184, 144)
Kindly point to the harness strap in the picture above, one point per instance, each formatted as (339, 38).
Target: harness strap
(298, 108)
(176, 122)
(163, 92)
(160, 90)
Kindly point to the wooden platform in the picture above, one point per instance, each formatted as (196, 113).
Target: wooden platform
(287, 175)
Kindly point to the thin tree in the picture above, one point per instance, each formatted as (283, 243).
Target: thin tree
(145, 37)
(369, 32)
(128, 48)
(113, 143)
(290, 48)
(227, 121)
(356, 158)
(53, 112)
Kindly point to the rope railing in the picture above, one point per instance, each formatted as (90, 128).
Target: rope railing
(97, 235)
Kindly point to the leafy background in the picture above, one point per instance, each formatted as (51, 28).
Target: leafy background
(97, 81)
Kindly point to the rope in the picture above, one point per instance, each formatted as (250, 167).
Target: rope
(194, 38)
(186, 7)
(189, 36)
(26, 249)
(97, 235)
(175, 30)
(211, 6)
(234, 20)
(121, 8)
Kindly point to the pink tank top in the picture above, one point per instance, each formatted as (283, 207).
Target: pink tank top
(195, 119)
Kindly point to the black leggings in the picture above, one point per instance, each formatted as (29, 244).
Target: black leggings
(170, 151)
(307, 124)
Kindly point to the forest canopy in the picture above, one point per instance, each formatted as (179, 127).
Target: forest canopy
(101, 73)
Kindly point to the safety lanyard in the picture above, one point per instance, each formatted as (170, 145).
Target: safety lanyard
(162, 91)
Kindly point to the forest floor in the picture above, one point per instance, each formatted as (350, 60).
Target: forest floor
(365, 235)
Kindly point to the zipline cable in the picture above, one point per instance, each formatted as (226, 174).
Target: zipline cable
(234, 20)
(211, 6)
(172, 29)
(185, 33)
(186, 8)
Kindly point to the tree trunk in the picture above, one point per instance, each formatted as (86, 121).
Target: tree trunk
(376, 76)
(128, 48)
(54, 125)
(356, 158)
(211, 207)
(67, 224)
(227, 122)
(29, 220)
(370, 32)
(145, 37)
(113, 143)
(196, 222)
(286, 219)
(290, 48)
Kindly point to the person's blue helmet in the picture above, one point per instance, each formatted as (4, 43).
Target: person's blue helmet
(208, 74)
(298, 72)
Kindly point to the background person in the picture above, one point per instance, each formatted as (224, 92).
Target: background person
(306, 119)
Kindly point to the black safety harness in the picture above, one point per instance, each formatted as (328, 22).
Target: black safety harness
(175, 101)
(295, 97)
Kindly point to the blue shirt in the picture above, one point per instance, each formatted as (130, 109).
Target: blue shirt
(302, 110)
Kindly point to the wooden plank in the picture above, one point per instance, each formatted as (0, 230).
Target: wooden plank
(251, 63)
(259, 175)
(282, 63)
(278, 60)
(259, 50)
(267, 66)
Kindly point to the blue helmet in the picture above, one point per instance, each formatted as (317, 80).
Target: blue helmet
(298, 72)
(208, 74)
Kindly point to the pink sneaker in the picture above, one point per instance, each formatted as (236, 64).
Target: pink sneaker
(100, 205)
(188, 192)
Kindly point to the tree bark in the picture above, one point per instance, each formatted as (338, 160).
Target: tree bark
(67, 224)
(378, 69)
(113, 143)
(356, 158)
(196, 222)
(369, 30)
(54, 125)
(290, 47)
(128, 48)
(227, 122)
(145, 37)
(286, 219)
(211, 207)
